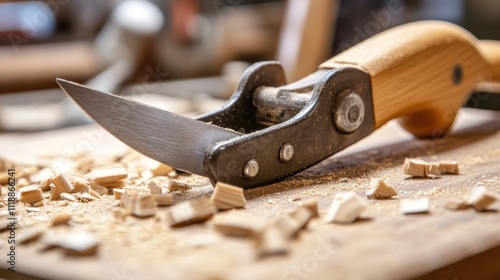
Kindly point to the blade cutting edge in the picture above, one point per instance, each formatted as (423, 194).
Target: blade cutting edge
(175, 140)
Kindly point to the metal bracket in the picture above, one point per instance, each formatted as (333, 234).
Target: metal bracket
(256, 158)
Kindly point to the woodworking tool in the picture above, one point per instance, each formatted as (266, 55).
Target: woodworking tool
(420, 73)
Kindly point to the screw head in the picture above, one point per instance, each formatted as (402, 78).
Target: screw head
(286, 152)
(251, 169)
(349, 113)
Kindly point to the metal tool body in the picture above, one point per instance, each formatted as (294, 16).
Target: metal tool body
(312, 133)
(237, 147)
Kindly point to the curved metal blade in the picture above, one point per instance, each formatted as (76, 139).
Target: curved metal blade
(175, 140)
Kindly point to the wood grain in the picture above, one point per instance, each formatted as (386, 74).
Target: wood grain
(412, 68)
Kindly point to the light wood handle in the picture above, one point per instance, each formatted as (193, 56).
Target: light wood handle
(422, 72)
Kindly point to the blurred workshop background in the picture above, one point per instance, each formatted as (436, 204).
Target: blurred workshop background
(185, 55)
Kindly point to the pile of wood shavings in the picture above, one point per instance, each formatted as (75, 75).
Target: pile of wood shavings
(54, 187)
(89, 182)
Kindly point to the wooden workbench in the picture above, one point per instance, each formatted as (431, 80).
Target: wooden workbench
(384, 244)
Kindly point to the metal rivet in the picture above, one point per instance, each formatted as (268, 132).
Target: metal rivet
(457, 74)
(286, 152)
(251, 169)
(349, 113)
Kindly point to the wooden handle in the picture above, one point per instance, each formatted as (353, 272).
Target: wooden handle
(422, 72)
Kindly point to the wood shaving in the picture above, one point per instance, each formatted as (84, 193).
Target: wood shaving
(445, 167)
(45, 185)
(31, 194)
(178, 186)
(481, 198)
(80, 186)
(118, 193)
(68, 197)
(302, 216)
(145, 206)
(190, 212)
(94, 194)
(416, 167)
(4, 179)
(84, 197)
(109, 177)
(140, 205)
(60, 185)
(272, 242)
(414, 206)
(61, 219)
(226, 196)
(38, 204)
(120, 213)
(456, 203)
(163, 199)
(240, 226)
(154, 187)
(378, 189)
(32, 209)
(288, 226)
(161, 170)
(74, 242)
(312, 205)
(345, 208)
(101, 190)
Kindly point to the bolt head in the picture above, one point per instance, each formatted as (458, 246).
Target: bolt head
(286, 152)
(349, 113)
(251, 169)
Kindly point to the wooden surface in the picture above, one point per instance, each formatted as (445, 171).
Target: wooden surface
(412, 68)
(384, 244)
